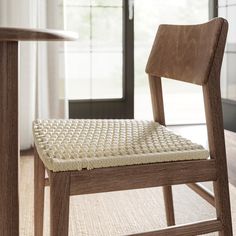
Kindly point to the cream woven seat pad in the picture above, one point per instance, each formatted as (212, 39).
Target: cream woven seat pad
(76, 144)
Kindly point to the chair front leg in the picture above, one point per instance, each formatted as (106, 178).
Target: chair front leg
(39, 178)
(59, 203)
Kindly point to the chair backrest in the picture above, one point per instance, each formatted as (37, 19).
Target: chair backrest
(192, 54)
(187, 52)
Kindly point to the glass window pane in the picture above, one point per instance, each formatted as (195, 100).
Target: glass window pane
(222, 12)
(78, 75)
(95, 60)
(107, 29)
(183, 102)
(231, 2)
(107, 74)
(77, 2)
(78, 20)
(228, 70)
(223, 80)
(114, 3)
(231, 72)
(231, 17)
(222, 2)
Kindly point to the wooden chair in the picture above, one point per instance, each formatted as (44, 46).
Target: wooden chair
(80, 157)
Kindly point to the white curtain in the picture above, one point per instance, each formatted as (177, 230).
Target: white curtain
(42, 67)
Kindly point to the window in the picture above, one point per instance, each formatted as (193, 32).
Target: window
(183, 102)
(100, 64)
(227, 10)
(95, 61)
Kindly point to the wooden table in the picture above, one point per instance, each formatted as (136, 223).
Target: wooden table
(9, 114)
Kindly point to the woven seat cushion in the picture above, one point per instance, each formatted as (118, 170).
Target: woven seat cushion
(76, 144)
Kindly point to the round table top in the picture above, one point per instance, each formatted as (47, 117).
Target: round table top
(28, 34)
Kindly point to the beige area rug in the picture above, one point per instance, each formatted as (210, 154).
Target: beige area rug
(116, 213)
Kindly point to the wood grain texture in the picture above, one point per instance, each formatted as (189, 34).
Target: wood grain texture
(9, 150)
(39, 175)
(27, 34)
(141, 176)
(194, 54)
(116, 210)
(155, 86)
(184, 52)
(169, 205)
(215, 130)
(198, 228)
(9, 206)
(59, 203)
(159, 116)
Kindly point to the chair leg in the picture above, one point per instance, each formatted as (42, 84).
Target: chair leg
(222, 202)
(59, 203)
(169, 206)
(39, 178)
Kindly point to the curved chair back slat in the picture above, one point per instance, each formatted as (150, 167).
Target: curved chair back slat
(186, 52)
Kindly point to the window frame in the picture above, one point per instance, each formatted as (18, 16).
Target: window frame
(116, 108)
(120, 108)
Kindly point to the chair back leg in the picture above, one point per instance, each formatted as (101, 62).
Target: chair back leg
(169, 205)
(216, 141)
(222, 203)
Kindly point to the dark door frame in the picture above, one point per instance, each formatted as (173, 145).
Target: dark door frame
(213, 8)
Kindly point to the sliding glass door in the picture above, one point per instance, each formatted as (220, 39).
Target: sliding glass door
(106, 67)
(183, 101)
(100, 64)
